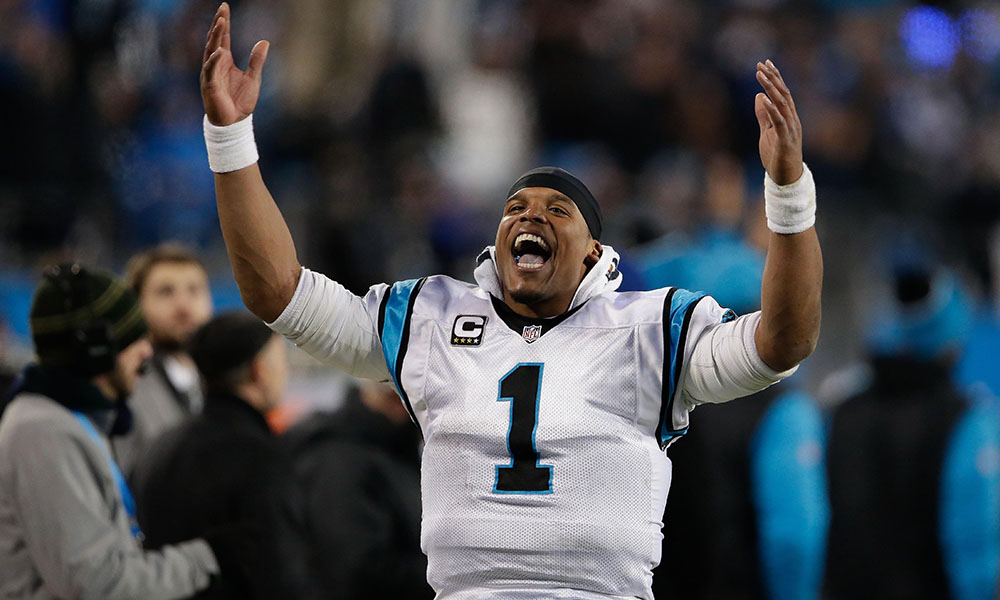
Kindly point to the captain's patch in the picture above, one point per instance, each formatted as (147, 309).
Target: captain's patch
(468, 330)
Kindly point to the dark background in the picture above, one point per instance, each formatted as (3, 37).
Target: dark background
(389, 131)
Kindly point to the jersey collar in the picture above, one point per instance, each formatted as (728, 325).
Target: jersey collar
(603, 277)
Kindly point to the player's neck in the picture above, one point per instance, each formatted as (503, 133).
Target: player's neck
(538, 310)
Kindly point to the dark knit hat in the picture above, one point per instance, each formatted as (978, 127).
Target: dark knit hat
(227, 342)
(82, 317)
(565, 183)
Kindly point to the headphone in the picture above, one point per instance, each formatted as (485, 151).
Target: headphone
(93, 350)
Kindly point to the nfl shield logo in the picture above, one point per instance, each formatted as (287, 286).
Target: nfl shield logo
(531, 333)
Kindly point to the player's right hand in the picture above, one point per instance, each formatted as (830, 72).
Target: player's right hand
(780, 127)
(228, 93)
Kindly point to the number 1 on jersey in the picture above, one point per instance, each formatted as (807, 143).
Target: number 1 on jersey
(521, 386)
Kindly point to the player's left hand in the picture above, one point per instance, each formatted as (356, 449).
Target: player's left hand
(780, 128)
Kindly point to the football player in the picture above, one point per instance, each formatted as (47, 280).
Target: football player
(545, 398)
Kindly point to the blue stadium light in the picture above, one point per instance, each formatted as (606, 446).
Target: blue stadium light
(930, 37)
(981, 33)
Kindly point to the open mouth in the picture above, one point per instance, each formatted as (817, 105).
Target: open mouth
(530, 252)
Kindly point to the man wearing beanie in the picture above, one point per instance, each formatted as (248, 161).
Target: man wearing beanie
(224, 470)
(67, 518)
(544, 396)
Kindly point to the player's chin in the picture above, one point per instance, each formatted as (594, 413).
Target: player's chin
(527, 287)
(528, 294)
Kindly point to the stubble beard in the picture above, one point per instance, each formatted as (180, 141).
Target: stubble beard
(533, 295)
(527, 297)
(170, 344)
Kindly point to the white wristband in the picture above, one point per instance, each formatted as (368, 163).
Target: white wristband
(790, 208)
(230, 147)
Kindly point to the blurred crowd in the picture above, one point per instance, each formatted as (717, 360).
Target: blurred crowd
(391, 130)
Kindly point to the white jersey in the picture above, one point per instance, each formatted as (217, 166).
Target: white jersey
(543, 472)
(542, 466)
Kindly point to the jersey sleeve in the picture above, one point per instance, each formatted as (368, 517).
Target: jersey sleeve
(709, 355)
(685, 317)
(335, 326)
(724, 362)
(394, 319)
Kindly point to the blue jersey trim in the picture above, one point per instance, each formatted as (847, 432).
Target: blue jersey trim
(678, 308)
(791, 500)
(969, 517)
(395, 313)
(128, 501)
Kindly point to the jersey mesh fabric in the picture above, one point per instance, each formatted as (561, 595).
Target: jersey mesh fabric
(583, 407)
(597, 529)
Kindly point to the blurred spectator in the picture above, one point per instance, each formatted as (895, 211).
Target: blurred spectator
(67, 519)
(224, 470)
(360, 472)
(749, 500)
(48, 54)
(914, 465)
(717, 251)
(8, 372)
(478, 90)
(172, 286)
(749, 490)
(976, 369)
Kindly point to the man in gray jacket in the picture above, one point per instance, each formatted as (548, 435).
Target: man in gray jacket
(172, 286)
(67, 519)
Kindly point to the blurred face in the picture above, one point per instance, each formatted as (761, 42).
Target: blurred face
(272, 373)
(543, 250)
(175, 300)
(128, 365)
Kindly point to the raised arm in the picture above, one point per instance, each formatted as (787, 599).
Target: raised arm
(793, 274)
(260, 246)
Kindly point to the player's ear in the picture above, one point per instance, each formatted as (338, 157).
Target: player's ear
(595, 253)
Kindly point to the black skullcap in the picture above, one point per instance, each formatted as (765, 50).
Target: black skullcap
(227, 342)
(72, 301)
(565, 183)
